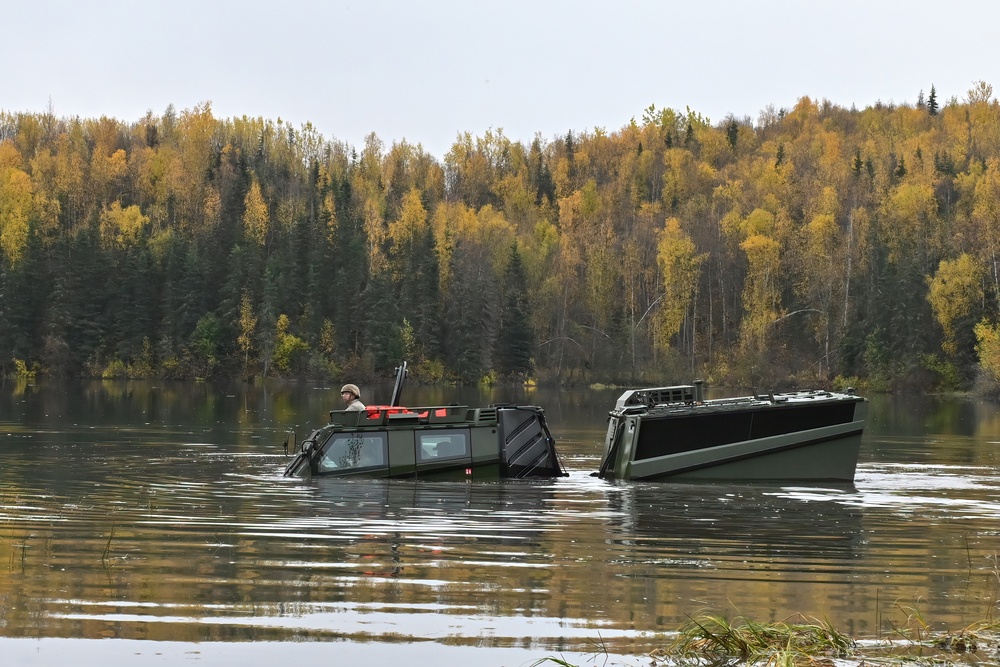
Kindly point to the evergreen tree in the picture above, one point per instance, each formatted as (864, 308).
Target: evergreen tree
(85, 300)
(932, 104)
(901, 167)
(857, 165)
(57, 355)
(179, 280)
(471, 316)
(541, 177)
(516, 339)
(732, 133)
(348, 278)
(28, 294)
(944, 163)
(425, 310)
(6, 342)
(382, 327)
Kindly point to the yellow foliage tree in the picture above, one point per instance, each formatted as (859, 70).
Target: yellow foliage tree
(10, 157)
(986, 215)
(248, 325)
(406, 233)
(953, 292)
(256, 219)
(121, 227)
(760, 291)
(327, 339)
(911, 232)
(494, 234)
(759, 222)
(289, 348)
(105, 171)
(16, 201)
(448, 221)
(196, 133)
(683, 176)
(680, 265)
(988, 349)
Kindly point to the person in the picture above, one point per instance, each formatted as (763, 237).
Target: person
(352, 397)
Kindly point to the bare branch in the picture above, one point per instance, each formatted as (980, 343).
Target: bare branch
(795, 312)
(552, 340)
(655, 301)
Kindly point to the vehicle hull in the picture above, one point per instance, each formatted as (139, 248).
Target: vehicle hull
(814, 435)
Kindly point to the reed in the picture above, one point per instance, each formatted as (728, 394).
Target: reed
(720, 641)
(105, 557)
(16, 547)
(600, 648)
(555, 661)
(711, 640)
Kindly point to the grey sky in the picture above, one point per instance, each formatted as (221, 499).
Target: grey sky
(426, 71)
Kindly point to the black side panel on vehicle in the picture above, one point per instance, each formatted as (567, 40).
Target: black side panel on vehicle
(527, 449)
(672, 435)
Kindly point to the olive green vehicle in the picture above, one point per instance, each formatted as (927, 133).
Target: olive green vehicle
(430, 442)
(673, 433)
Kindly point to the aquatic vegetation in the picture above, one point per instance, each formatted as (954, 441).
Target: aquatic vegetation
(711, 640)
(715, 639)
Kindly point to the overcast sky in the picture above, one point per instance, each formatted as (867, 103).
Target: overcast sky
(426, 71)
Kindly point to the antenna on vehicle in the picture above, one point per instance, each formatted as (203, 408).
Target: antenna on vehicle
(398, 387)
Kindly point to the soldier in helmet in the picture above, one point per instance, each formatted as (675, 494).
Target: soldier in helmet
(352, 397)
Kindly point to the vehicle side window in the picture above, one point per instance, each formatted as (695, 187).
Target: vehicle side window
(353, 451)
(442, 444)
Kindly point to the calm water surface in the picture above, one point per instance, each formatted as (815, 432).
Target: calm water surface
(135, 511)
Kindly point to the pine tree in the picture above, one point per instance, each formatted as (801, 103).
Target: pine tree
(732, 133)
(84, 299)
(901, 167)
(470, 316)
(426, 309)
(932, 105)
(348, 278)
(515, 340)
(382, 327)
(538, 172)
(25, 297)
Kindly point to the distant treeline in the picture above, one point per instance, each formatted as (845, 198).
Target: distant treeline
(814, 245)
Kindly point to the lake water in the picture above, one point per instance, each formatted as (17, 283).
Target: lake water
(155, 516)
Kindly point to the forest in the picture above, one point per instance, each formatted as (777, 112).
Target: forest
(816, 245)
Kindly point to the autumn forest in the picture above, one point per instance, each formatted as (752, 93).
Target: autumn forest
(811, 245)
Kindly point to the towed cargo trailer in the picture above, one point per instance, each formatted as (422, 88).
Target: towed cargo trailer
(673, 433)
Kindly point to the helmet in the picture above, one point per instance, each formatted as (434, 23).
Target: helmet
(353, 388)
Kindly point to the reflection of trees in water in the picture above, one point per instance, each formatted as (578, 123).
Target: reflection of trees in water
(475, 541)
(742, 521)
(201, 526)
(438, 505)
(765, 551)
